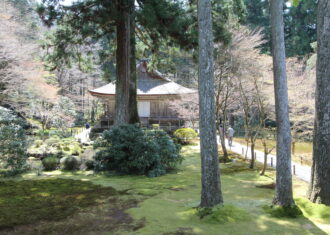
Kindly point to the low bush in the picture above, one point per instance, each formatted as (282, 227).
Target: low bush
(185, 135)
(50, 163)
(128, 149)
(70, 163)
(90, 164)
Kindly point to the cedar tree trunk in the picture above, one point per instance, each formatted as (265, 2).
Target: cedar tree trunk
(320, 181)
(283, 193)
(126, 105)
(211, 189)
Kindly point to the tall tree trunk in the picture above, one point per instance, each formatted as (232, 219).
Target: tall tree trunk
(126, 106)
(283, 194)
(211, 189)
(320, 181)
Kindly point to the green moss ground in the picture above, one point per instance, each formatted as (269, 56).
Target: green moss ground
(166, 205)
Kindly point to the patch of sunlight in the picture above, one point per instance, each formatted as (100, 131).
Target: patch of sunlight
(192, 167)
(81, 196)
(84, 179)
(44, 194)
(197, 230)
(324, 227)
(187, 214)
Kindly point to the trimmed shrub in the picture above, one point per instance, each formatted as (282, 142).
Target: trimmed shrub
(127, 149)
(155, 126)
(50, 163)
(70, 163)
(185, 135)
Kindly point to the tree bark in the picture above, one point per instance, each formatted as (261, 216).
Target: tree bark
(319, 191)
(223, 143)
(126, 105)
(283, 193)
(252, 163)
(211, 190)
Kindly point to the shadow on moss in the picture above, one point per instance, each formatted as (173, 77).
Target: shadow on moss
(283, 211)
(29, 201)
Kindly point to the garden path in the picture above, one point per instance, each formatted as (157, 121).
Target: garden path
(83, 137)
(300, 171)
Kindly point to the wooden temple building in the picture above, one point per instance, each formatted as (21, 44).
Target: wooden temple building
(156, 97)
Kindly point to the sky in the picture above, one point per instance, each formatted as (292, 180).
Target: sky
(64, 2)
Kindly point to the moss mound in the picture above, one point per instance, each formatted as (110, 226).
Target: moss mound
(318, 211)
(283, 211)
(29, 201)
(222, 214)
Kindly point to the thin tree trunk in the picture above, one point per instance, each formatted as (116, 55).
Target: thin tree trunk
(223, 143)
(126, 106)
(283, 194)
(252, 162)
(265, 163)
(319, 191)
(211, 190)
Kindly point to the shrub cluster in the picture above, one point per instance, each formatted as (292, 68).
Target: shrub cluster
(128, 149)
(70, 163)
(185, 135)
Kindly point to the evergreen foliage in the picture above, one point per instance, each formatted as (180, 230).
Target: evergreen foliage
(13, 143)
(299, 21)
(70, 163)
(164, 22)
(127, 149)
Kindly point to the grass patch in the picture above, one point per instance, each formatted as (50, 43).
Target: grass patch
(311, 210)
(29, 201)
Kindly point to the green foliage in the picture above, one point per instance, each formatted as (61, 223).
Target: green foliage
(185, 135)
(70, 163)
(90, 164)
(299, 23)
(155, 126)
(283, 211)
(30, 201)
(50, 163)
(13, 143)
(128, 149)
(222, 214)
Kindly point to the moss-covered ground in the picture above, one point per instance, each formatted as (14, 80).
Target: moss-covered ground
(162, 205)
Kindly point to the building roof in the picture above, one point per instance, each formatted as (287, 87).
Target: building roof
(148, 83)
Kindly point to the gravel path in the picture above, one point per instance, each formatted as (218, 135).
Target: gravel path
(83, 136)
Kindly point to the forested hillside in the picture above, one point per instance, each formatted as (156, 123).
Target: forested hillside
(27, 85)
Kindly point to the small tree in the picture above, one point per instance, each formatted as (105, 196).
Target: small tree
(12, 143)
